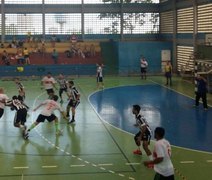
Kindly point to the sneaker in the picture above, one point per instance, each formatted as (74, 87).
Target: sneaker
(59, 133)
(71, 121)
(26, 136)
(138, 152)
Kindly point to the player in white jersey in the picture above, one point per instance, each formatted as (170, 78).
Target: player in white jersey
(74, 100)
(48, 82)
(99, 76)
(3, 99)
(63, 86)
(161, 157)
(144, 134)
(49, 106)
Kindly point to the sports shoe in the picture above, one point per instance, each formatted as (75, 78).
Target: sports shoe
(71, 121)
(26, 136)
(59, 133)
(137, 151)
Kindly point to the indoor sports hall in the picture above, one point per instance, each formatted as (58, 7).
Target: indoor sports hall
(85, 41)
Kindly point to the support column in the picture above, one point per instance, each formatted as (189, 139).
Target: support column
(82, 21)
(174, 56)
(43, 19)
(2, 22)
(122, 21)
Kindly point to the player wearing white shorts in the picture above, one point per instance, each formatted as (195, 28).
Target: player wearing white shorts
(161, 157)
(49, 106)
(48, 82)
(3, 99)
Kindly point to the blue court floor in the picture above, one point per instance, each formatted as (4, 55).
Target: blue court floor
(186, 126)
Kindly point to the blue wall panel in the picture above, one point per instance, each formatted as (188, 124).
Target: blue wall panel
(130, 52)
(38, 70)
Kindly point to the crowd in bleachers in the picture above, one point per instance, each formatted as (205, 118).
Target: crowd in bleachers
(19, 51)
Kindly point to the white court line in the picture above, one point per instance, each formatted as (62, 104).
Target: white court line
(80, 165)
(57, 147)
(209, 161)
(49, 166)
(23, 167)
(105, 164)
(128, 164)
(186, 162)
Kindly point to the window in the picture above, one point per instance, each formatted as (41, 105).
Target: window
(63, 1)
(22, 24)
(205, 18)
(185, 20)
(23, 1)
(184, 58)
(140, 23)
(63, 23)
(166, 22)
(104, 23)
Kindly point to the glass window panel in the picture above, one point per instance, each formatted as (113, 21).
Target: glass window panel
(23, 1)
(102, 23)
(22, 24)
(141, 23)
(63, 1)
(63, 23)
(141, 1)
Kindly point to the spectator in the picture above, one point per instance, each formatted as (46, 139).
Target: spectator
(55, 56)
(5, 58)
(53, 40)
(92, 50)
(26, 56)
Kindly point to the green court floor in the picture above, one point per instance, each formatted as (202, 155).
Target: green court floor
(89, 149)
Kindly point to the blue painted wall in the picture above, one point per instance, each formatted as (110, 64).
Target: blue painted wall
(129, 55)
(40, 70)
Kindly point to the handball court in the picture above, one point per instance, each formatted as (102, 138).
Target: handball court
(100, 144)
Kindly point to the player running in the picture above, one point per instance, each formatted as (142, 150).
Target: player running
(63, 86)
(49, 106)
(144, 133)
(21, 114)
(48, 82)
(3, 99)
(74, 100)
(21, 90)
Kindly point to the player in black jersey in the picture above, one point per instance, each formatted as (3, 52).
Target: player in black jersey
(74, 100)
(144, 134)
(21, 90)
(21, 114)
(63, 86)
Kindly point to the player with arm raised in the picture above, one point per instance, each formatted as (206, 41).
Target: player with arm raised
(49, 106)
